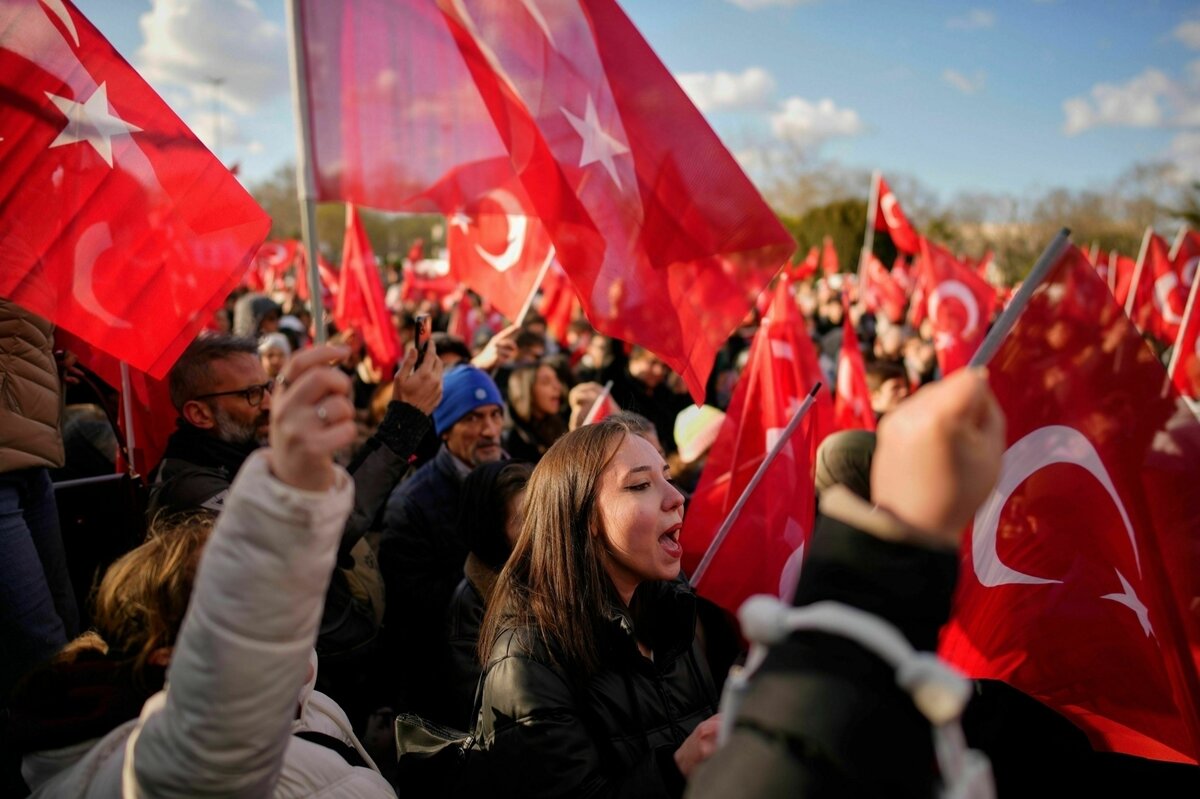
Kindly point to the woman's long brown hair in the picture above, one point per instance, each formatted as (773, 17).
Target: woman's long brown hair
(554, 581)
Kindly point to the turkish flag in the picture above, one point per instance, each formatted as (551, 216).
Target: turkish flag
(271, 263)
(1185, 358)
(115, 222)
(498, 247)
(666, 240)
(1162, 293)
(757, 556)
(890, 217)
(1080, 575)
(602, 408)
(960, 303)
(902, 275)
(829, 257)
(881, 292)
(852, 402)
(1120, 276)
(808, 267)
(360, 303)
(326, 272)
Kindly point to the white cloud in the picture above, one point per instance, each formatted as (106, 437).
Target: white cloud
(975, 19)
(189, 43)
(1137, 103)
(754, 5)
(1184, 155)
(1188, 32)
(801, 122)
(965, 84)
(726, 91)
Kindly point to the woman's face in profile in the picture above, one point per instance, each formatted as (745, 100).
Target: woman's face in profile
(641, 515)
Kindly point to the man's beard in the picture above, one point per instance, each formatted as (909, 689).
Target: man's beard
(232, 431)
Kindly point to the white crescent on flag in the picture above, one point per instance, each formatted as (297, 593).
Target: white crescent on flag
(888, 204)
(518, 225)
(959, 291)
(1041, 448)
(1164, 287)
(94, 241)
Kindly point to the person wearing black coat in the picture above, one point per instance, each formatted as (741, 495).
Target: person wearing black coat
(594, 683)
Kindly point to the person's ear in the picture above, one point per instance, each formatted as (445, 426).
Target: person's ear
(199, 414)
(160, 657)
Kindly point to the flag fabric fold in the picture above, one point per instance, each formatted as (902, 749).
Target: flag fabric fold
(360, 302)
(960, 304)
(890, 218)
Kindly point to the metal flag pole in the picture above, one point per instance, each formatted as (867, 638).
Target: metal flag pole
(727, 525)
(127, 409)
(869, 236)
(1188, 310)
(305, 181)
(594, 411)
(1004, 324)
(520, 320)
(1137, 272)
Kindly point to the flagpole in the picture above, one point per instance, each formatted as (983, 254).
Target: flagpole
(594, 411)
(869, 236)
(1112, 271)
(1094, 252)
(305, 181)
(1004, 324)
(1137, 272)
(1175, 245)
(727, 525)
(127, 409)
(520, 320)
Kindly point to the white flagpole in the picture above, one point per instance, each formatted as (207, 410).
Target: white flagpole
(130, 437)
(1094, 252)
(595, 409)
(727, 525)
(520, 320)
(1137, 272)
(1175, 245)
(869, 236)
(1112, 271)
(1004, 324)
(305, 181)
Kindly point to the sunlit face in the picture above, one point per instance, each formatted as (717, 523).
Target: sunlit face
(649, 369)
(273, 360)
(547, 392)
(475, 438)
(641, 515)
(235, 419)
(889, 394)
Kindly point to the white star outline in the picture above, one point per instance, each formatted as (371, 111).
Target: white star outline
(460, 220)
(598, 144)
(91, 121)
(1129, 598)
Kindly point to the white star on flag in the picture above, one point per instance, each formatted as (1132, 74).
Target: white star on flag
(598, 144)
(460, 220)
(1129, 598)
(782, 350)
(92, 122)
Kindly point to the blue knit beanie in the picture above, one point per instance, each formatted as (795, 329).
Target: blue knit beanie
(464, 388)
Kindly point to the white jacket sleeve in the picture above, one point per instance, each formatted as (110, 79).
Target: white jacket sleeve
(242, 653)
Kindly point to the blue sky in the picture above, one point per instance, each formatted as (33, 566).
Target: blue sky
(1011, 97)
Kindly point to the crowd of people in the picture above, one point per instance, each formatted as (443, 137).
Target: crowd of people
(330, 549)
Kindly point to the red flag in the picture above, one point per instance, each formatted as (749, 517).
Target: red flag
(881, 292)
(902, 275)
(890, 217)
(1185, 357)
(985, 264)
(1145, 299)
(559, 302)
(115, 222)
(960, 304)
(1079, 579)
(602, 407)
(360, 302)
(782, 368)
(852, 404)
(326, 272)
(808, 267)
(666, 240)
(1120, 276)
(271, 262)
(498, 248)
(829, 258)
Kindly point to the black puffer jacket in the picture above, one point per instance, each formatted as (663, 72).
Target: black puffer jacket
(611, 735)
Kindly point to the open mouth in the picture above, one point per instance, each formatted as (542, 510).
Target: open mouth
(669, 541)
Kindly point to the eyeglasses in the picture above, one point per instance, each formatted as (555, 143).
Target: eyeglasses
(253, 394)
